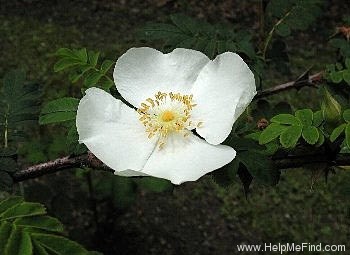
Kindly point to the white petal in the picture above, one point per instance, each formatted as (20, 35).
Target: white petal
(222, 91)
(112, 132)
(129, 173)
(187, 159)
(142, 72)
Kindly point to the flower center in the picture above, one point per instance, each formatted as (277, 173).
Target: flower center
(167, 113)
(168, 116)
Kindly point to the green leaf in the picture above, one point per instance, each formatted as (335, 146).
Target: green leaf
(65, 52)
(271, 132)
(19, 104)
(260, 166)
(8, 165)
(241, 144)
(64, 104)
(6, 181)
(26, 230)
(271, 148)
(245, 46)
(183, 22)
(41, 222)
(346, 115)
(254, 136)
(285, 118)
(283, 30)
(346, 76)
(305, 116)
(106, 65)
(154, 184)
(336, 77)
(321, 140)
(19, 243)
(210, 49)
(186, 32)
(318, 118)
(65, 63)
(106, 84)
(160, 31)
(93, 58)
(82, 55)
(10, 202)
(5, 232)
(347, 63)
(25, 209)
(310, 134)
(290, 136)
(59, 245)
(225, 175)
(74, 147)
(75, 76)
(82, 65)
(8, 152)
(38, 249)
(339, 66)
(12, 82)
(296, 15)
(56, 117)
(92, 78)
(347, 135)
(59, 110)
(337, 132)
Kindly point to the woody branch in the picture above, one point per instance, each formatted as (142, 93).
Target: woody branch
(89, 160)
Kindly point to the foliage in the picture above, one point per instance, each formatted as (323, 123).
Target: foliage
(285, 131)
(64, 110)
(250, 163)
(266, 131)
(8, 166)
(293, 15)
(340, 40)
(82, 64)
(26, 229)
(337, 73)
(283, 17)
(19, 107)
(185, 32)
(342, 45)
(343, 128)
(290, 128)
(59, 110)
(20, 103)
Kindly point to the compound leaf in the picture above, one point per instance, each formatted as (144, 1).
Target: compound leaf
(290, 136)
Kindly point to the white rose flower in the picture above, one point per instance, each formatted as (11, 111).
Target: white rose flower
(174, 94)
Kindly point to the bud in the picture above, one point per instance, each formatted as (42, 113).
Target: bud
(262, 124)
(331, 109)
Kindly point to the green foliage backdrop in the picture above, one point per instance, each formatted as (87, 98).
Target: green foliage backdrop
(271, 134)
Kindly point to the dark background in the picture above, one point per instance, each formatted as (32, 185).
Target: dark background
(194, 218)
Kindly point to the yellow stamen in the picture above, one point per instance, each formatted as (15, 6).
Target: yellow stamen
(161, 116)
(168, 116)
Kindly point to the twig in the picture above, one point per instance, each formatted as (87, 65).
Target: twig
(85, 160)
(296, 161)
(309, 81)
(270, 34)
(89, 160)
